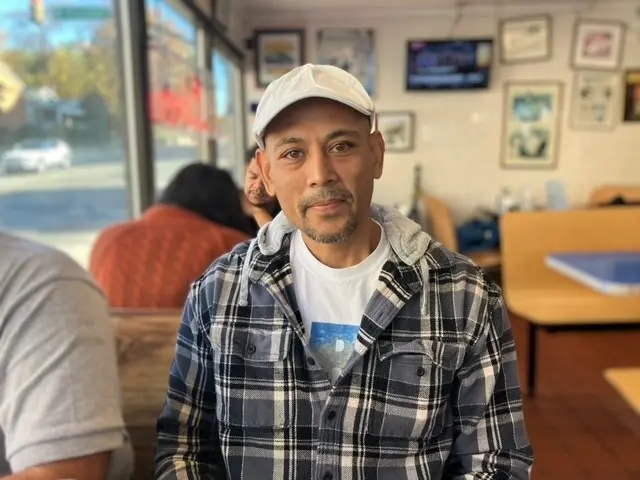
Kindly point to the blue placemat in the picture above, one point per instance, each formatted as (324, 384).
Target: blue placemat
(618, 267)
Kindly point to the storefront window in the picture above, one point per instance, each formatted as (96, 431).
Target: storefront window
(62, 152)
(175, 87)
(229, 117)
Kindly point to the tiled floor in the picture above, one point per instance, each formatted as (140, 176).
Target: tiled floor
(579, 427)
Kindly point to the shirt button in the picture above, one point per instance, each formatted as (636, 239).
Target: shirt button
(251, 349)
(420, 372)
(331, 415)
(311, 361)
(327, 476)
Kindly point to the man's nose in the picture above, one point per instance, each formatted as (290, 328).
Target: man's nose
(320, 170)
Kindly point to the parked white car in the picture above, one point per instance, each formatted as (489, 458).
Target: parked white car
(37, 155)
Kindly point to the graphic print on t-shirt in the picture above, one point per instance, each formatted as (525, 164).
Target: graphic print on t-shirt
(333, 343)
(333, 301)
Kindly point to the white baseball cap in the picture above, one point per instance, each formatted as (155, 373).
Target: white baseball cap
(311, 81)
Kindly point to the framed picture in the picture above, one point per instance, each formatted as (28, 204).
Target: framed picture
(632, 95)
(276, 53)
(598, 44)
(525, 39)
(596, 100)
(531, 124)
(351, 49)
(397, 129)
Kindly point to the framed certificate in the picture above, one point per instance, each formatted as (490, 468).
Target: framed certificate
(596, 100)
(525, 39)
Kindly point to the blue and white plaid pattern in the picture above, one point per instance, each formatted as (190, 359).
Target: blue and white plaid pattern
(432, 391)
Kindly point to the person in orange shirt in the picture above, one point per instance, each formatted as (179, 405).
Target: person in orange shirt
(150, 263)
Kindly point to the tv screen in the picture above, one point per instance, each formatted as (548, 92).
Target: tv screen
(449, 64)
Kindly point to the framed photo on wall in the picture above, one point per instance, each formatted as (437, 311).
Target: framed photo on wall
(397, 129)
(598, 44)
(531, 124)
(353, 50)
(276, 53)
(632, 95)
(525, 39)
(595, 100)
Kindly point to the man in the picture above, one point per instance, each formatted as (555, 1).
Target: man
(342, 342)
(60, 412)
(263, 207)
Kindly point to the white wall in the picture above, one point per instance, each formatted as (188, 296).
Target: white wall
(458, 134)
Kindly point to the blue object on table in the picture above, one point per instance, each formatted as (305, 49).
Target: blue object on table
(611, 273)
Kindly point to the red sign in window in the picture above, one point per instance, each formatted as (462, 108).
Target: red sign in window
(180, 108)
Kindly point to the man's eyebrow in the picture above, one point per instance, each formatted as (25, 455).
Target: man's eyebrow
(289, 141)
(342, 133)
(331, 136)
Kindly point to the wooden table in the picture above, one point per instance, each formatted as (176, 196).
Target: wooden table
(550, 300)
(627, 383)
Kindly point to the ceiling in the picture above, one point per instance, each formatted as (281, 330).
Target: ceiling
(325, 5)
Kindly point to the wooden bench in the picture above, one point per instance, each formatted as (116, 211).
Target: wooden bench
(626, 381)
(146, 343)
(607, 193)
(549, 300)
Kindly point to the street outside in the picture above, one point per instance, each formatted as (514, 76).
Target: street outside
(60, 82)
(68, 208)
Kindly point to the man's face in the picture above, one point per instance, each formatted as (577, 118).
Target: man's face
(254, 188)
(321, 161)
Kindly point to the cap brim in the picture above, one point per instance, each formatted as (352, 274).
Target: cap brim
(329, 95)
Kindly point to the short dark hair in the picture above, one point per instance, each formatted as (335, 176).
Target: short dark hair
(209, 192)
(251, 153)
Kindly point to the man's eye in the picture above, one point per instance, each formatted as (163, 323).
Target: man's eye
(293, 154)
(342, 147)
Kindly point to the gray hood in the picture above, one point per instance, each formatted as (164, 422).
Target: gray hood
(407, 240)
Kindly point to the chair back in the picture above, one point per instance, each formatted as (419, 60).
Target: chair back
(607, 193)
(441, 224)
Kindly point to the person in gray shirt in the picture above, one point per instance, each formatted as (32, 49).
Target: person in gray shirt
(60, 414)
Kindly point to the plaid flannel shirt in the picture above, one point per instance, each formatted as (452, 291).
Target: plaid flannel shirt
(431, 391)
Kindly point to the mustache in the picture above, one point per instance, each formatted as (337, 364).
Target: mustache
(328, 194)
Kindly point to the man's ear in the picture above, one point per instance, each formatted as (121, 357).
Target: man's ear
(264, 165)
(378, 148)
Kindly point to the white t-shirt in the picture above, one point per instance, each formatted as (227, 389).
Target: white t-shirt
(332, 301)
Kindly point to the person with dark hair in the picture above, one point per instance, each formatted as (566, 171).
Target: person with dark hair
(263, 206)
(151, 262)
(208, 191)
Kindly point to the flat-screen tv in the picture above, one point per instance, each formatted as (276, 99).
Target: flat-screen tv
(449, 64)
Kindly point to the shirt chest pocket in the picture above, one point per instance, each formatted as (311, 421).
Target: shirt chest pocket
(253, 374)
(412, 386)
